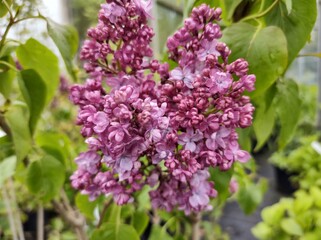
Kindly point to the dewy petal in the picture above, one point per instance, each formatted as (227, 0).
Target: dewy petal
(119, 136)
(126, 164)
(220, 142)
(156, 135)
(197, 136)
(145, 6)
(197, 200)
(112, 11)
(191, 146)
(163, 122)
(204, 200)
(188, 82)
(101, 120)
(224, 132)
(210, 144)
(207, 49)
(99, 128)
(177, 74)
(194, 200)
(189, 132)
(234, 146)
(188, 77)
(229, 155)
(108, 160)
(183, 138)
(243, 156)
(221, 81)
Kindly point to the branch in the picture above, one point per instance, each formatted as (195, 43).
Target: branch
(7, 203)
(318, 54)
(196, 222)
(8, 8)
(17, 217)
(106, 206)
(40, 223)
(71, 216)
(3, 37)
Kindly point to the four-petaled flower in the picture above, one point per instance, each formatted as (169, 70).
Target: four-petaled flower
(144, 6)
(219, 81)
(189, 139)
(184, 75)
(217, 139)
(207, 49)
(100, 119)
(112, 11)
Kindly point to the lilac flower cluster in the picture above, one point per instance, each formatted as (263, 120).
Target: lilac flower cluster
(147, 125)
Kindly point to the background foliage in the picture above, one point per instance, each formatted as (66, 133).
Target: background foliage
(40, 142)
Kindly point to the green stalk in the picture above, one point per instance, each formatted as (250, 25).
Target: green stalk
(262, 14)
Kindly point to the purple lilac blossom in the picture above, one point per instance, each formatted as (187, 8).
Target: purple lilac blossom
(166, 134)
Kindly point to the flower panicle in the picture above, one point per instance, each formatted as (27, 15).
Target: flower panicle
(167, 133)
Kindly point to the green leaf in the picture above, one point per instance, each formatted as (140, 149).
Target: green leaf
(3, 8)
(262, 231)
(112, 231)
(8, 48)
(288, 108)
(244, 138)
(127, 211)
(222, 181)
(55, 144)
(245, 141)
(6, 147)
(273, 214)
(313, 235)
(140, 221)
(251, 195)
(268, 96)
(188, 5)
(114, 213)
(157, 233)
(143, 199)
(36, 56)
(303, 201)
(297, 25)
(260, 47)
(17, 117)
(290, 226)
(66, 39)
(231, 5)
(34, 90)
(7, 76)
(263, 125)
(288, 4)
(264, 119)
(85, 206)
(316, 195)
(7, 168)
(45, 177)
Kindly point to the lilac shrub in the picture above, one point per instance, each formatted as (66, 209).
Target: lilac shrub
(148, 125)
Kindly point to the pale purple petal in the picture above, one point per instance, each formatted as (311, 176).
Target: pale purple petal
(191, 146)
(144, 6)
(119, 136)
(177, 74)
(101, 120)
(126, 164)
(243, 156)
